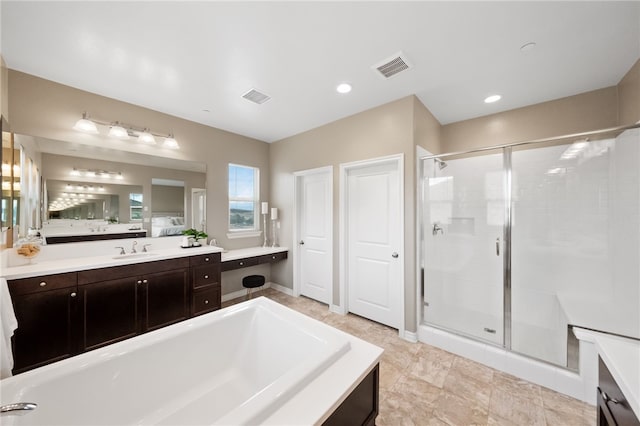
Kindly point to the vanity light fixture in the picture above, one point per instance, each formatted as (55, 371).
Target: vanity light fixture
(118, 132)
(171, 143)
(491, 99)
(92, 173)
(85, 125)
(146, 137)
(123, 131)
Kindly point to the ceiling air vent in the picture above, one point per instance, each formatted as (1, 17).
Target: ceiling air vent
(257, 97)
(392, 66)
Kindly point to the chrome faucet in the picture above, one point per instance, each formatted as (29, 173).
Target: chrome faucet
(121, 250)
(19, 408)
(133, 247)
(144, 248)
(437, 228)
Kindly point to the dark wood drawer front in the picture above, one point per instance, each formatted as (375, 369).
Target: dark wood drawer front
(203, 276)
(275, 257)
(43, 283)
(124, 271)
(621, 411)
(239, 263)
(206, 300)
(205, 259)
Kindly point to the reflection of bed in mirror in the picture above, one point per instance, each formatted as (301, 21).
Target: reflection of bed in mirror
(167, 223)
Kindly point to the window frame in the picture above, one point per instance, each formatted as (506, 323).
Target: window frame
(136, 208)
(248, 232)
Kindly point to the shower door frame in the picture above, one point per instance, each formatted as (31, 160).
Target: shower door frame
(507, 150)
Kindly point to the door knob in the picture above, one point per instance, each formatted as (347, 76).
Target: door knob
(301, 242)
(394, 255)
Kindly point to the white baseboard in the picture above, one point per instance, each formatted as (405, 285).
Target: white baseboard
(410, 336)
(242, 293)
(337, 309)
(286, 290)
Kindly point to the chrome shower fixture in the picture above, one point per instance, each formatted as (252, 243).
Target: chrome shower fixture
(441, 164)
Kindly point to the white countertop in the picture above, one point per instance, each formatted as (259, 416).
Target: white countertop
(73, 264)
(622, 358)
(599, 315)
(159, 250)
(250, 252)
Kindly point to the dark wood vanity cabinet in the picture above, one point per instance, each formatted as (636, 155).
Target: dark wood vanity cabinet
(65, 314)
(135, 299)
(613, 408)
(205, 281)
(45, 308)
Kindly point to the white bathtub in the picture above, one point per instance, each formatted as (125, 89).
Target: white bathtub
(240, 365)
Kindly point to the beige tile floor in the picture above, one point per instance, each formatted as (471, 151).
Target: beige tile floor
(424, 385)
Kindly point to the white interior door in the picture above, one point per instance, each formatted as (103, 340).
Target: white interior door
(315, 209)
(374, 233)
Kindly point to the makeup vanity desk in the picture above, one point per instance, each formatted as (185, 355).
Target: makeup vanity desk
(243, 258)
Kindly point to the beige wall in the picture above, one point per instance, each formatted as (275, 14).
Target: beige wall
(169, 199)
(381, 131)
(46, 109)
(588, 111)
(629, 96)
(4, 90)
(427, 130)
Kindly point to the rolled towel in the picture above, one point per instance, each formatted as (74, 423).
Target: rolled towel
(8, 325)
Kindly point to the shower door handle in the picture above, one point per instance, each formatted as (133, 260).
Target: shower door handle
(497, 246)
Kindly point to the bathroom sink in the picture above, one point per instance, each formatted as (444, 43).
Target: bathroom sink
(133, 255)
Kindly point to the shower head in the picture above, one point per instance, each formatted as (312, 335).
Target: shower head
(441, 164)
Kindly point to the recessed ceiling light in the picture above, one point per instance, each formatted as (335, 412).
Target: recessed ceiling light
(491, 99)
(343, 88)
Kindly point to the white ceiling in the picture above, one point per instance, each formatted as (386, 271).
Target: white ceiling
(184, 57)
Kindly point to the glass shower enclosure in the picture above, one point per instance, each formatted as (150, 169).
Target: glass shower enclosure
(520, 242)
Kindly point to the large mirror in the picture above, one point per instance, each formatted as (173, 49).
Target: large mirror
(88, 190)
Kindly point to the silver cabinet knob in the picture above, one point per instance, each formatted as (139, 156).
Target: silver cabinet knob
(273, 257)
(301, 242)
(73, 294)
(206, 259)
(394, 255)
(206, 302)
(139, 282)
(241, 263)
(144, 281)
(43, 283)
(206, 277)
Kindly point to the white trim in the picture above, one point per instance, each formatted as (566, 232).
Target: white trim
(296, 231)
(282, 289)
(241, 293)
(410, 336)
(344, 255)
(243, 234)
(337, 309)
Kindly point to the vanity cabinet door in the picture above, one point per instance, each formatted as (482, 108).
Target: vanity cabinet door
(109, 312)
(165, 299)
(45, 331)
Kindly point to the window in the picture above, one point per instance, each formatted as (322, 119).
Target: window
(243, 198)
(135, 207)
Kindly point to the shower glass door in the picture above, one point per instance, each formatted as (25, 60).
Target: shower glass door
(463, 227)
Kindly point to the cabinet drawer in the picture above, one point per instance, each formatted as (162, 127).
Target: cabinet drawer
(206, 275)
(239, 263)
(206, 300)
(42, 283)
(132, 270)
(275, 257)
(205, 259)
